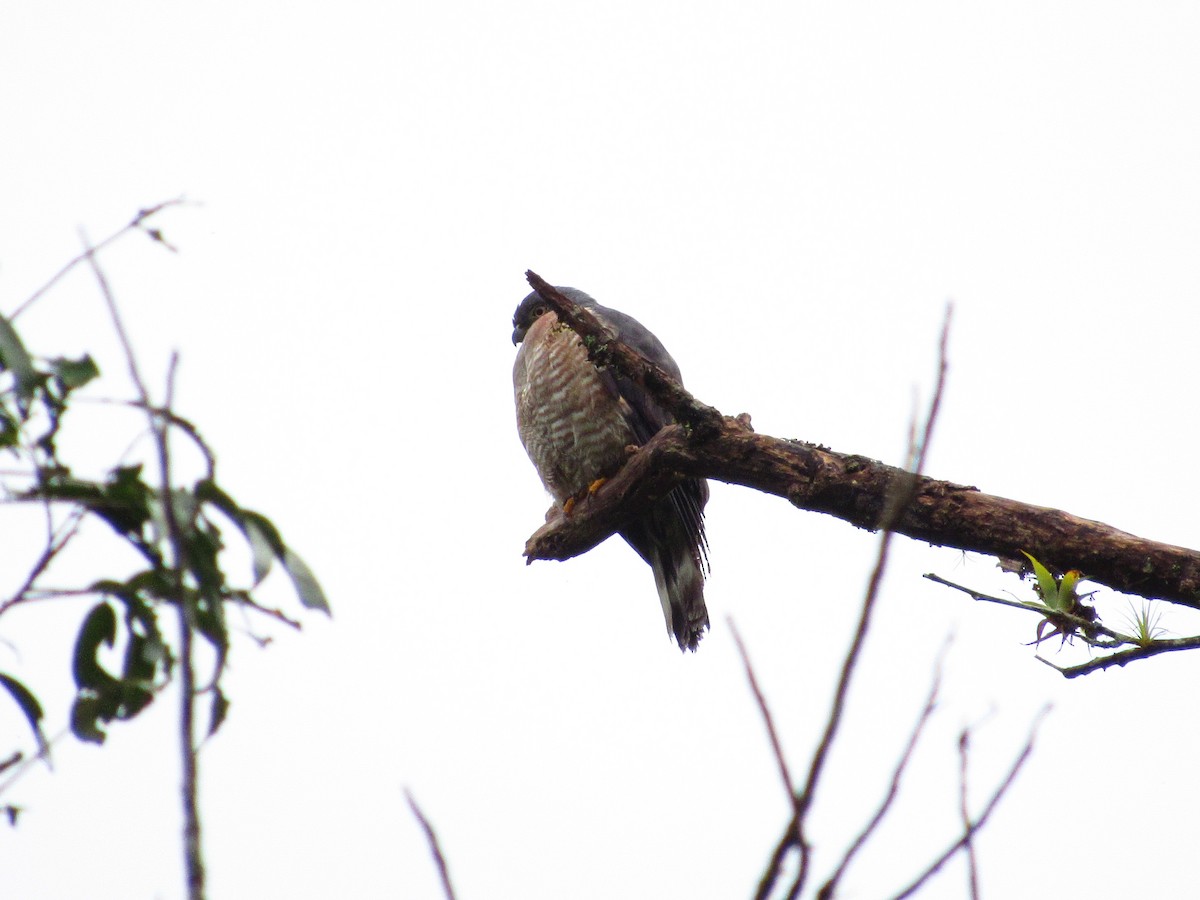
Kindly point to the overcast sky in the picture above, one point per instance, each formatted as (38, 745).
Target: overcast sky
(788, 195)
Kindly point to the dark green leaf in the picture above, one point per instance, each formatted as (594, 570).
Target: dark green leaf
(307, 587)
(56, 484)
(267, 531)
(10, 431)
(131, 699)
(142, 655)
(123, 501)
(262, 536)
(29, 706)
(17, 361)
(207, 492)
(75, 373)
(126, 500)
(100, 627)
(202, 548)
(85, 719)
(154, 583)
(220, 709)
(262, 553)
(209, 617)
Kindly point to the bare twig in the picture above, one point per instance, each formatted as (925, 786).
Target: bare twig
(434, 848)
(136, 223)
(964, 740)
(895, 509)
(977, 824)
(57, 540)
(776, 746)
(25, 764)
(834, 720)
(170, 417)
(828, 889)
(12, 760)
(1123, 657)
(244, 599)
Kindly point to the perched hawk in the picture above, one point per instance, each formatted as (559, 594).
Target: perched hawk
(576, 421)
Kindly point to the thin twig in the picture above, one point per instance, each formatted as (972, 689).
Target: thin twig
(88, 252)
(434, 848)
(1039, 608)
(246, 600)
(776, 746)
(833, 722)
(1123, 657)
(1140, 650)
(171, 417)
(964, 741)
(828, 889)
(54, 546)
(978, 823)
(28, 762)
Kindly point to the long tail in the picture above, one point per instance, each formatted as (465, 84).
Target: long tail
(680, 583)
(671, 539)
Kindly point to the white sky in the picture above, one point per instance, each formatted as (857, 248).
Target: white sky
(787, 195)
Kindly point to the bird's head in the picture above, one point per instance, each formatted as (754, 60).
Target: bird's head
(534, 307)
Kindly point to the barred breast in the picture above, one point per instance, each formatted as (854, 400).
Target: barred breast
(573, 426)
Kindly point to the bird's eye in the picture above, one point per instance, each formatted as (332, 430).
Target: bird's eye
(539, 311)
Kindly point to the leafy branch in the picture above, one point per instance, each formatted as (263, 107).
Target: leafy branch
(178, 530)
(1072, 618)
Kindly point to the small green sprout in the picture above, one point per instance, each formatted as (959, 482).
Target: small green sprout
(1059, 600)
(1144, 623)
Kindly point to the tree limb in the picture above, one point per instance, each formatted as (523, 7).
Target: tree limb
(850, 487)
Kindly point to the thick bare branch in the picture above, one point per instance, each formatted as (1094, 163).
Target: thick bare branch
(856, 489)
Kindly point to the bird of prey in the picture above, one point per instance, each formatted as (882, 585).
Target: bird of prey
(576, 421)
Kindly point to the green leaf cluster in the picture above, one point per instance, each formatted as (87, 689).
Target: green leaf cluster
(121, 658)
(1065, 611)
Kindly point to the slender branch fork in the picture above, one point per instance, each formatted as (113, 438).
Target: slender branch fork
(160, 427)
(776, 746)
(976, 824)
(797, 832)
(829, 889)
(138, 223)
(1136, 648)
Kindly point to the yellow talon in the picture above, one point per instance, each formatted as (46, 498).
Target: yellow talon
(596, 485)
(568, 506)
